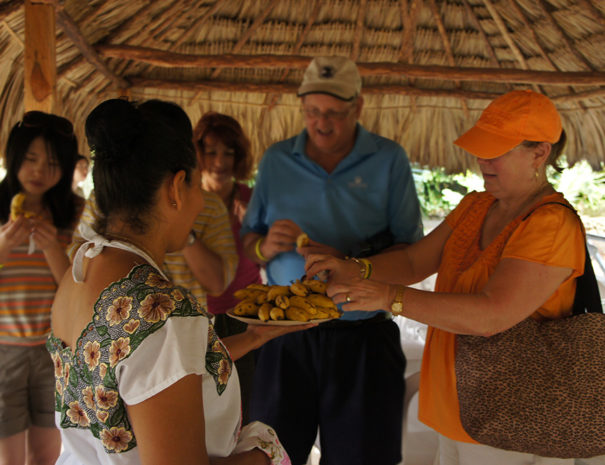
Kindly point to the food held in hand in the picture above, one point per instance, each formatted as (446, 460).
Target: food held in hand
(17, 207)
(301, 301)
(302, 240)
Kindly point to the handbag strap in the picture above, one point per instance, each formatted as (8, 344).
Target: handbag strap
(587, 298)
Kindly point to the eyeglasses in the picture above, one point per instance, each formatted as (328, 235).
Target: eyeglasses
(38, 119)
(333, 115)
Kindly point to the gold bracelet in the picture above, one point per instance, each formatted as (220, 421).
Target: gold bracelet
(365, 270)
(368, 268)
(259, 254)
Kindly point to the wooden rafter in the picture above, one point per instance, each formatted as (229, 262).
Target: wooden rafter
(284, 88)
(534, 36)
(408, 19)
(258, 22)
(73, 32)
(271, 99)
(446, 45)
(563, 35)
(359, 28)
(504, 31)
(39, 64)
(488, 46)
(162, 58)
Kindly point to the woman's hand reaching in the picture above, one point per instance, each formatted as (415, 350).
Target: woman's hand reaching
(362, 294)
(346, 287)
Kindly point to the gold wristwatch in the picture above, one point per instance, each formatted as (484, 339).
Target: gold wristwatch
(397, 305)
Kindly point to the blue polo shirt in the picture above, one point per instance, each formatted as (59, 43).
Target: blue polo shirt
(371, 189)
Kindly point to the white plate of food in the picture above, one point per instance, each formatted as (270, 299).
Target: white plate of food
(255, 321)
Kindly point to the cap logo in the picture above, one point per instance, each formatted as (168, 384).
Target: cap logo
(327, 72)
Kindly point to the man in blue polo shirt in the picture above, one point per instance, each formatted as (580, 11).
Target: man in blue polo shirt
(349, 190)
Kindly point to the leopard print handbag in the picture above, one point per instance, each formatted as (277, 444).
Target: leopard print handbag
(539, 387)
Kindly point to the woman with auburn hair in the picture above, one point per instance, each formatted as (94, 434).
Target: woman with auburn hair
(225, 159)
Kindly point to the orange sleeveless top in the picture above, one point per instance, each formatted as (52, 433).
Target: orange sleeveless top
(552, 235)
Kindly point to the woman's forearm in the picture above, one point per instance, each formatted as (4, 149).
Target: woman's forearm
(206, 266)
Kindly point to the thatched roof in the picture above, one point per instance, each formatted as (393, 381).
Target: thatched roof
(429, 66)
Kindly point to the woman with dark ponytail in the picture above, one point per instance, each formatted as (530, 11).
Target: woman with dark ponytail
(141, 376)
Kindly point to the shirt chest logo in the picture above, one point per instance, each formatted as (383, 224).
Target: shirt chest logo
(357, 183)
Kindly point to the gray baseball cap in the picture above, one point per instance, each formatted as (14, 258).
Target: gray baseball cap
(335, 76)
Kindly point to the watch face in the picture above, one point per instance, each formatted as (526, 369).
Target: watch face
(397, 307)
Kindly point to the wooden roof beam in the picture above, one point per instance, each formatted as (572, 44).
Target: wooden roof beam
(73, 32)
(271, 99)
(447, 46)
(490, 50)
(408, 19)
(359, 27)
(162, 58)
(507, 37)
(285, 88)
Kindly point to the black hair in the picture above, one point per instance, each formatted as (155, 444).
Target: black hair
(134, 148)
(62, 146)
(555, 152)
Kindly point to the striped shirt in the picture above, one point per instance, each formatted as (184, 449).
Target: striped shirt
(212, 227)
(27, 290)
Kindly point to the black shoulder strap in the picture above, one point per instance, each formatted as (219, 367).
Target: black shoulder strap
(588, 298)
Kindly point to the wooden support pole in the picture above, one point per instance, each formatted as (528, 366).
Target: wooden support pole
(170, 59)
(71, 30)
(40, 80)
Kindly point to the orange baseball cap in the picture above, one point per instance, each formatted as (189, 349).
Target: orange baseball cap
(512, 118)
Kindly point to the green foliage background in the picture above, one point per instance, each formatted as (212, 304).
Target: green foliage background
(439, 192)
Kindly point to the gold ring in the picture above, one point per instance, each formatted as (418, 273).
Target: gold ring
(348, 298)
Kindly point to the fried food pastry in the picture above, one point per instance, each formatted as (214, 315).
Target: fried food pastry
(302, 240)
(17, 207)
(301, 301)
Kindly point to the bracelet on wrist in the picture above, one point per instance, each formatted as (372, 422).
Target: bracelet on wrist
(259, 254)
(365, 266)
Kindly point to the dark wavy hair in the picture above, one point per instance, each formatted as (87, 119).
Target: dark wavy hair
(134, 148)
(230, 133)
(62, 146)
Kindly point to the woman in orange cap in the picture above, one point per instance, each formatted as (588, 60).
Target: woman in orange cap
(495, 266)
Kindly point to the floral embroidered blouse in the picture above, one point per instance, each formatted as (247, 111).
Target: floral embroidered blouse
(145, 335)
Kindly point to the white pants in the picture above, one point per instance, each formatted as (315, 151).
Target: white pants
(452, 452)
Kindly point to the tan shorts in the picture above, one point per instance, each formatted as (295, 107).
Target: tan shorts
(27, 389)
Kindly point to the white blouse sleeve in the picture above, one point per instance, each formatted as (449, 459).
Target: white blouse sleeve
(176, 350)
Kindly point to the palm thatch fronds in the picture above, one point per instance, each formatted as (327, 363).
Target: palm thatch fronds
(429, 67)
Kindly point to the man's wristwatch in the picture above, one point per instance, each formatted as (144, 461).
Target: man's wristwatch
(397, 305)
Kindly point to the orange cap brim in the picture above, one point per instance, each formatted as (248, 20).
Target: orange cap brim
(484, 144)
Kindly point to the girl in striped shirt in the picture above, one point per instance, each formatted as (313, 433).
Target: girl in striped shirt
(40, 157)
